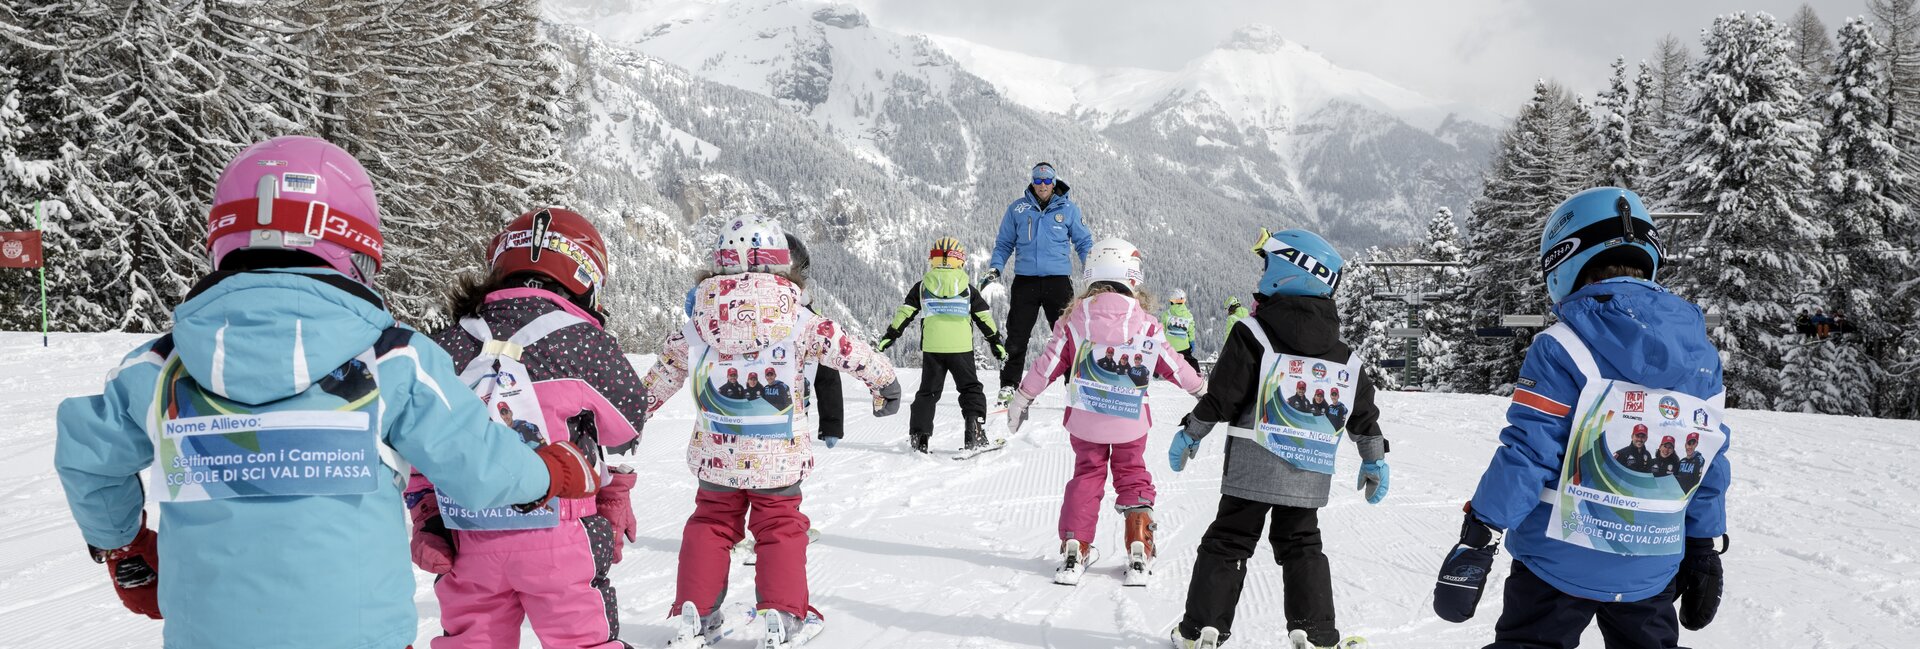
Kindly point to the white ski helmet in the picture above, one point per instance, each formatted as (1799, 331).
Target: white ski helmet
(1114, 260)
(1177, 296)
(752, 243)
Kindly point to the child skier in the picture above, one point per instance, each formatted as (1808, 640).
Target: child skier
(1178, 323)
(1107, 416)
(1591, 536)
(540, 299)
(279, 416)
(1280, 462)
(947, 297)
(750, 456)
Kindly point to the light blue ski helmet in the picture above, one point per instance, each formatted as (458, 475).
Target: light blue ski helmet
(1298, 263)
(1603, 226)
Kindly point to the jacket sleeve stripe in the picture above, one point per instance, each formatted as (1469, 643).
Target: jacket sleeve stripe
(1533, 400)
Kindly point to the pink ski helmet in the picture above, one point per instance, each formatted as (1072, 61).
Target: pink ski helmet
(298, 193)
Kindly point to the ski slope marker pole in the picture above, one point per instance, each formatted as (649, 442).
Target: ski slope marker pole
(40, 223)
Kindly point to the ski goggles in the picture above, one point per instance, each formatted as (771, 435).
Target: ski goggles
(947, 258)
(1177, 300)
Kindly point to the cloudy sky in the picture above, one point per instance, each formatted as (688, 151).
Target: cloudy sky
(1486, 52)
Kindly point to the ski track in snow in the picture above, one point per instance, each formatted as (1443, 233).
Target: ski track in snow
(924, 551)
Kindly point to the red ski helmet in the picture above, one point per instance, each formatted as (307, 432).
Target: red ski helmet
(556, 243)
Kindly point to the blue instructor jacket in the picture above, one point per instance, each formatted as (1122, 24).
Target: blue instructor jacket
(1044, 238)
(1637, 332)
(287, 571)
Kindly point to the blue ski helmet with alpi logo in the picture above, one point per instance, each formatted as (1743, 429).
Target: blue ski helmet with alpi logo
(1298, 263)
(1597, 228)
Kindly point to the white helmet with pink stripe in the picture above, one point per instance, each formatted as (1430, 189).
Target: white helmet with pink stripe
(299, 194)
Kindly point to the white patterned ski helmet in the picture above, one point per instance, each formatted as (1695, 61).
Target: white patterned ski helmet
(1114, 260)
(752, 243)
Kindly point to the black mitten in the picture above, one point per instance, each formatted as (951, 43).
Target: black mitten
(1699, 582)
(1463, 576)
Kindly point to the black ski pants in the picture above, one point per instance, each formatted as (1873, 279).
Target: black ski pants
(934, 369)
(1031, 294)
(1535, 615)
(1221, 569)
(1191, 361)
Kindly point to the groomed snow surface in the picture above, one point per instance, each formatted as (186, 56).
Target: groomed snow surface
(927, 552)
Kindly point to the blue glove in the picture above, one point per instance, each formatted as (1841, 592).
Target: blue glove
(831, 441)
(1184, 448)
(1373, 480)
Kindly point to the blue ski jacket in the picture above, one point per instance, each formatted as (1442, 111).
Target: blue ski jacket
(1044, 238)
(287, 571)
(1637, 332)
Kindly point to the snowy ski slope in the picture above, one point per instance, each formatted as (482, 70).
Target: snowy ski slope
(927, 552)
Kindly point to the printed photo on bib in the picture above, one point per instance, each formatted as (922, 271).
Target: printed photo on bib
(1303, 407)
(1112, 379)
(749, 394)
(1634, 459)
(511, 402)
(321, 442)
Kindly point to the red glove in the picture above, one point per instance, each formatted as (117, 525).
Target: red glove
(569, 475)
(135, 569)
(615, 506)
(432, 546)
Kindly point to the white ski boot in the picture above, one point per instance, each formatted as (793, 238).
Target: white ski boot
(785, 631)
(1075, 556)
(1209, 639)
(696, 631)
(1140, 551)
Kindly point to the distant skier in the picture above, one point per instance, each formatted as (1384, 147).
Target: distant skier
(1634, 456)
(1296, 318)
(1235, 310)
(1107, 427)
(1574, 554)
(1043, 230)
(750, 464)
(285, 559)
(949, 309)
(547, 304)
(1178, 323)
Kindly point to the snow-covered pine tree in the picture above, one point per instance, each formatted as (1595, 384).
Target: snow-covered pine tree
(1543, 159)
(1614, 132)
(21, 186)
(1813, 52)
(1899, 25)
(1448, 328)
(1648, 140)
(1857, 174)
(1672, 88)
(1748, 160)
(1364, 321)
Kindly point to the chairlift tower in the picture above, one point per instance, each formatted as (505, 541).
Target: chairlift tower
(1410, 356)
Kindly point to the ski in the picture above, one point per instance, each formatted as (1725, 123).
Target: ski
(744, 548)
(1298, 640)
(1073, 566)
(1139, 566)
(977, 451)
(777, 636)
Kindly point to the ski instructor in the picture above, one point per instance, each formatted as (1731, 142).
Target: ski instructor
(1044, 231)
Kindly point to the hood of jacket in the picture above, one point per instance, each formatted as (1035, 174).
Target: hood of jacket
(748, 312)
(1179, 311)
(946, 282)
(1111, 318)
(261, 336)
(1644, 333)
(1309, 326)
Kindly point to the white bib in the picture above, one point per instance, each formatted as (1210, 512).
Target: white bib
(752, 394)
(1110, 378)
(1623, 495)
(1301, 409)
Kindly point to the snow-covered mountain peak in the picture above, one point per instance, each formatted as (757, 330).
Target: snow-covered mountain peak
(1261, 38)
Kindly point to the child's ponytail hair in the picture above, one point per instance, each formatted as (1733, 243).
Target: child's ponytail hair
(1139, 294)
